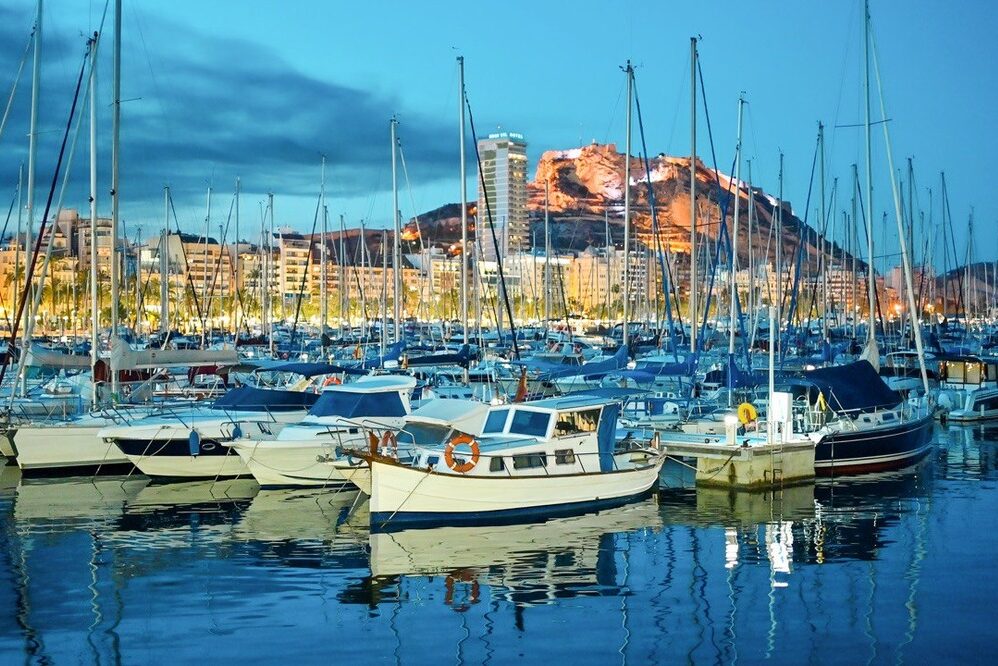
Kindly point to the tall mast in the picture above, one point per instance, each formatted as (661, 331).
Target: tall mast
(204, 267)
(164, 266)
(36, 82)
(236, 273)
(94, 309)
(693, 194)
(733, 272)
(323, 295)
(627, 196)
(779, 264)
(115, 156)
(547, 259)
(384, 291)
(364, 282)
(464, 207)
(871, 284)
(397, 245)
(824, 229)
(269, 323)
(855, 248)
(344, 292)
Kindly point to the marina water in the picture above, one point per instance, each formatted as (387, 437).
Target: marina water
(885, 568)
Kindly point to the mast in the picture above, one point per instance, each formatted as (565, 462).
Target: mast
(363, 281)
(609, 261)
(627, 197)
(115, 158)
(94, 309)
(323, 295)
(855, 248)
(547, 259)
(204, 267)
(823, 264)
(235, 257)
(384, 292)
(397, 245)
(871, 285)
(779, 266)
(344, 292)
(164, 266)
(36, 82)
(693, 194)
(464, 208)
(270, 268)
(733, 272)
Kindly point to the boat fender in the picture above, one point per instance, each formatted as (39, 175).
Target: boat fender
(468, 465)
(821, 405)
(389, 442)
(194, 443)
(747, 413)
(237, 432)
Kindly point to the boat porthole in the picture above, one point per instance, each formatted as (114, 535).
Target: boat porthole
(208, 446)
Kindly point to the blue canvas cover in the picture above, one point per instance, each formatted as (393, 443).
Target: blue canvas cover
(854, 387)
(253, 399)
(605, 435)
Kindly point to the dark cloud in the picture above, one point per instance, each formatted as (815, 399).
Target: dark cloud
(207, 108)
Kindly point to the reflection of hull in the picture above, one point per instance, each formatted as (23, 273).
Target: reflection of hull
(445, 549)
(67, 449)
(56, 501)
(7, 445)
(402, 496)
(875, 450)
(296, 514)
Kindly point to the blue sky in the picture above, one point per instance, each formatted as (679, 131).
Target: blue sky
(260, 89)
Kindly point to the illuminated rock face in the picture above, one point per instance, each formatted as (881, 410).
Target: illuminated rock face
(586, 185)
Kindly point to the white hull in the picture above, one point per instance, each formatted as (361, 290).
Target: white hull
(280, 463)
(401, 495)
(358, 475)
(64, 446)
(190, 467)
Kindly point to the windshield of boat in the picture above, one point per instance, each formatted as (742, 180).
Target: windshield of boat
(423, 434)
(353, 405)
(496, 421)
(533, 424)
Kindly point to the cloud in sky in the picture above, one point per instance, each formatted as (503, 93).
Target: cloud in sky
(199, 108)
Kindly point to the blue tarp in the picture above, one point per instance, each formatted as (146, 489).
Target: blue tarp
(313, 369)
(549, 370)
(253, 399)
(605, 436)
(854, 387)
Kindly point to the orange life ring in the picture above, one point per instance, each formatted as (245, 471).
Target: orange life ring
(455, 442)
(332, 379)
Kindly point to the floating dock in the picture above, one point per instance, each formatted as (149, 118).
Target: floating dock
(743, 461)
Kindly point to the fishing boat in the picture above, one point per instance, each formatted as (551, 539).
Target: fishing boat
(300, 454)
(533, 461)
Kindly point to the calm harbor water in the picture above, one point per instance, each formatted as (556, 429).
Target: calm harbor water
(887, 569)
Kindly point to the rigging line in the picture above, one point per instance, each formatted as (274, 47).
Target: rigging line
(221, 248)
(3, 234)
(17, 78)
(187, 266)
(495, 239)
(308, 262)
(41, 232)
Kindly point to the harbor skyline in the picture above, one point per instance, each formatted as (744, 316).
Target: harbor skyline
(190, 121)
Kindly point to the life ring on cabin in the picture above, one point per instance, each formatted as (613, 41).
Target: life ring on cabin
(332, 379)
(390, 441)
(467, 466)
(747, 413)
(358, 353)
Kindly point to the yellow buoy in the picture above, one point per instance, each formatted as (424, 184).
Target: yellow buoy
(747, 412)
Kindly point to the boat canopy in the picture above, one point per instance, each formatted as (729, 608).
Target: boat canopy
(253, 399)
(125, 358)
(854, 387)
(356, 405)
(312, 369)
(593, 369)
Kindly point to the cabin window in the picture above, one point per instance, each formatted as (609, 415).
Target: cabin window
(432, 461)
(496, 464)
(991, 372)
(496, 421)
(564, 457)
(533, 424)
(530, 460)
(574, 423)
(888, 417)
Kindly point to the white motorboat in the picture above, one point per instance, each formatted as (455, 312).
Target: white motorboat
(301, 454)
(534, 461)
